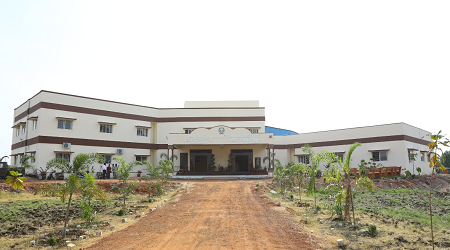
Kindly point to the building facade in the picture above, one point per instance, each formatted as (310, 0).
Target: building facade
(205, 136)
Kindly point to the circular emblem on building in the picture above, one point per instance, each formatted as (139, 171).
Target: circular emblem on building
(221, 130)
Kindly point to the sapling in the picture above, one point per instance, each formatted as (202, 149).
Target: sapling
(435, 151)
(126, 188)
(80, 163)
(15, 180)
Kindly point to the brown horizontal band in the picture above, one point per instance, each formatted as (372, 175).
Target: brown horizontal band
(87, 142)
(351, 141)
(91, 111)
(63, 152)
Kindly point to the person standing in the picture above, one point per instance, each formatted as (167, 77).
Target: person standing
(114, 169)
(104, 170)
(108, 171)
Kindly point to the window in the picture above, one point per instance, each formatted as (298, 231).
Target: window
(106, 128)
(17, 131)
(107, 159)
(253, 130)
(142, 132)
(141, 158)
(303, 159)
(15, 159)
(428, 157)
(64, 124)
(422, 156)
(24, 128)
(63, 156)
(184, 161)
(379, 156)
(257, 162)
(340, 155)
(34, 155)
(34, 124)
(188, 131)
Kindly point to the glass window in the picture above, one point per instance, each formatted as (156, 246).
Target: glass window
(107, 159)
(63, 156)
(254, 130)
(141, 158)
(188, 131)
(64, 124)
(17, 131)
(31, 160)
(422, 156)
(142, 132)
(34, 124)
(24, 127)
(340, 155)
(303, 159)
(379, 156)
(105, 128)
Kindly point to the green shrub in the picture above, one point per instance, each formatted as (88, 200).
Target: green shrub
(51, 241)
(372, 230)
(121, 212)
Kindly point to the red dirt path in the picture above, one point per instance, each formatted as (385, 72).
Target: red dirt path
(214, 215)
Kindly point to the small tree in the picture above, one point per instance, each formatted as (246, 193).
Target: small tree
(126, 188)
(89, 191)
(436, 153)
(271, 158)
(284, 176)
(299, 171)
(3, 157)
(153, 174)
(165, 168)
(315, 159)
(412, 158)
(80, 163)
(15, 180)
(24, 161)
(165, 157)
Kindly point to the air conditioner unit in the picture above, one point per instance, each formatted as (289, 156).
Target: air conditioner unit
(120, 151)
(66, 145)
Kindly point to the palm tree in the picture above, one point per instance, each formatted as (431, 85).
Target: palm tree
(80, 163)
(24, 161)
(273, 161)
(123, 172)
(167, 158)
(1, 159)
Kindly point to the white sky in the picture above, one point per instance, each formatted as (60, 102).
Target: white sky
(314, 65)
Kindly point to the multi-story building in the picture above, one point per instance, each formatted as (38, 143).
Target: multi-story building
(202, 134)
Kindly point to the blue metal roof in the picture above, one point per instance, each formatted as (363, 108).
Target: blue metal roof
(279, 131)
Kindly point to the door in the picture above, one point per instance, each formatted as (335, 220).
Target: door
(201, 163)
(241, 163)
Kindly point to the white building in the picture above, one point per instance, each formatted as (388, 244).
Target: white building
(51, 125)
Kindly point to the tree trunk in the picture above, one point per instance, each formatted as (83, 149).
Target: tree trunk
(67, 216)
(431, 211)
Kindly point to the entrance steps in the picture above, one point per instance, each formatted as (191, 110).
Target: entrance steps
(218, 177)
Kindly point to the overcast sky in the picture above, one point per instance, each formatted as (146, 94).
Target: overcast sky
(314, 65)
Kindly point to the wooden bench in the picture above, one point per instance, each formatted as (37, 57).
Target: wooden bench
(375, 172)
(353, 172)
(390, 171)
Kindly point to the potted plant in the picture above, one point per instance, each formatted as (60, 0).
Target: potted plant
(139, 172)
(42, 173)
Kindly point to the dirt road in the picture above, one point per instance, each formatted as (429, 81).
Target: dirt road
(214, 215)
